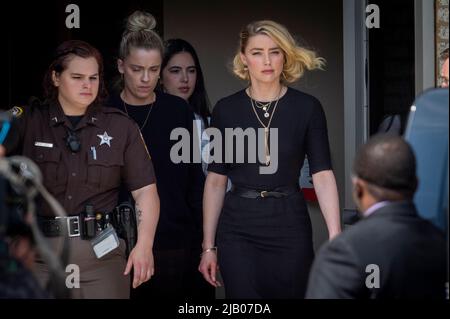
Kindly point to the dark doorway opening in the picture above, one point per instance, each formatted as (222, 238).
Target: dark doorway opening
(35, 28)
(391, 66)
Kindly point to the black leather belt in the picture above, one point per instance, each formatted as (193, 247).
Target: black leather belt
(54, 226)
(278, 192)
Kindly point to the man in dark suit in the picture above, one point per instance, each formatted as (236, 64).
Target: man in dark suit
(391, 252)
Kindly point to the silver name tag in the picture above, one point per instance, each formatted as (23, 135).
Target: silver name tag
(41, 144)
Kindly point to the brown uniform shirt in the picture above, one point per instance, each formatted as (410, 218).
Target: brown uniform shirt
(112, 152)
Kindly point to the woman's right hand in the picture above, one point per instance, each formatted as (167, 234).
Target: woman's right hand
(208, 267)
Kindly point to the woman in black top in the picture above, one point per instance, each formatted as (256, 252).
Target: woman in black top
(264, 237)
(180, 185)
(181, 75)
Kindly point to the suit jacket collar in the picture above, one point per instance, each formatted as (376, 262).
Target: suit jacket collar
(405, 208)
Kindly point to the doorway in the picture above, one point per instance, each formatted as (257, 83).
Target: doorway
(391, 67)
(35, 29)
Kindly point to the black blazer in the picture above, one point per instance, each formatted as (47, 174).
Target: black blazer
(410, 254)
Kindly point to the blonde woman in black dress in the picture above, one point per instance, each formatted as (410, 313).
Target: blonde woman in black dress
(260, 232)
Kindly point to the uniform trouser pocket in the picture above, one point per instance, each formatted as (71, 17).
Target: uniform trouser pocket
(87, 277)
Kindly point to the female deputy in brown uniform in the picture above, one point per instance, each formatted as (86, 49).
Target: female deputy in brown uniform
(110, 151)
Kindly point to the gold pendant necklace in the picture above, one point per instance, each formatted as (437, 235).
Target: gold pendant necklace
(266, 127)
(264, 106)
(266, 145)
(148, 113)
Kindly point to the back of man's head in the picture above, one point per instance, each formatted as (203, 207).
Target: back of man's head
(387, 163)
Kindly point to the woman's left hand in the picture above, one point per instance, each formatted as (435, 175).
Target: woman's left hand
(141, 259)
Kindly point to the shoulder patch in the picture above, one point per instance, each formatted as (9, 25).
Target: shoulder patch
(16, 111)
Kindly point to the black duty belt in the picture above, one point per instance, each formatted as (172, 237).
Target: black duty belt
(54, 226)
(278, 192)
(87, 225)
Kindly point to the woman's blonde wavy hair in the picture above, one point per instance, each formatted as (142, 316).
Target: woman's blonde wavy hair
(297, 59)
